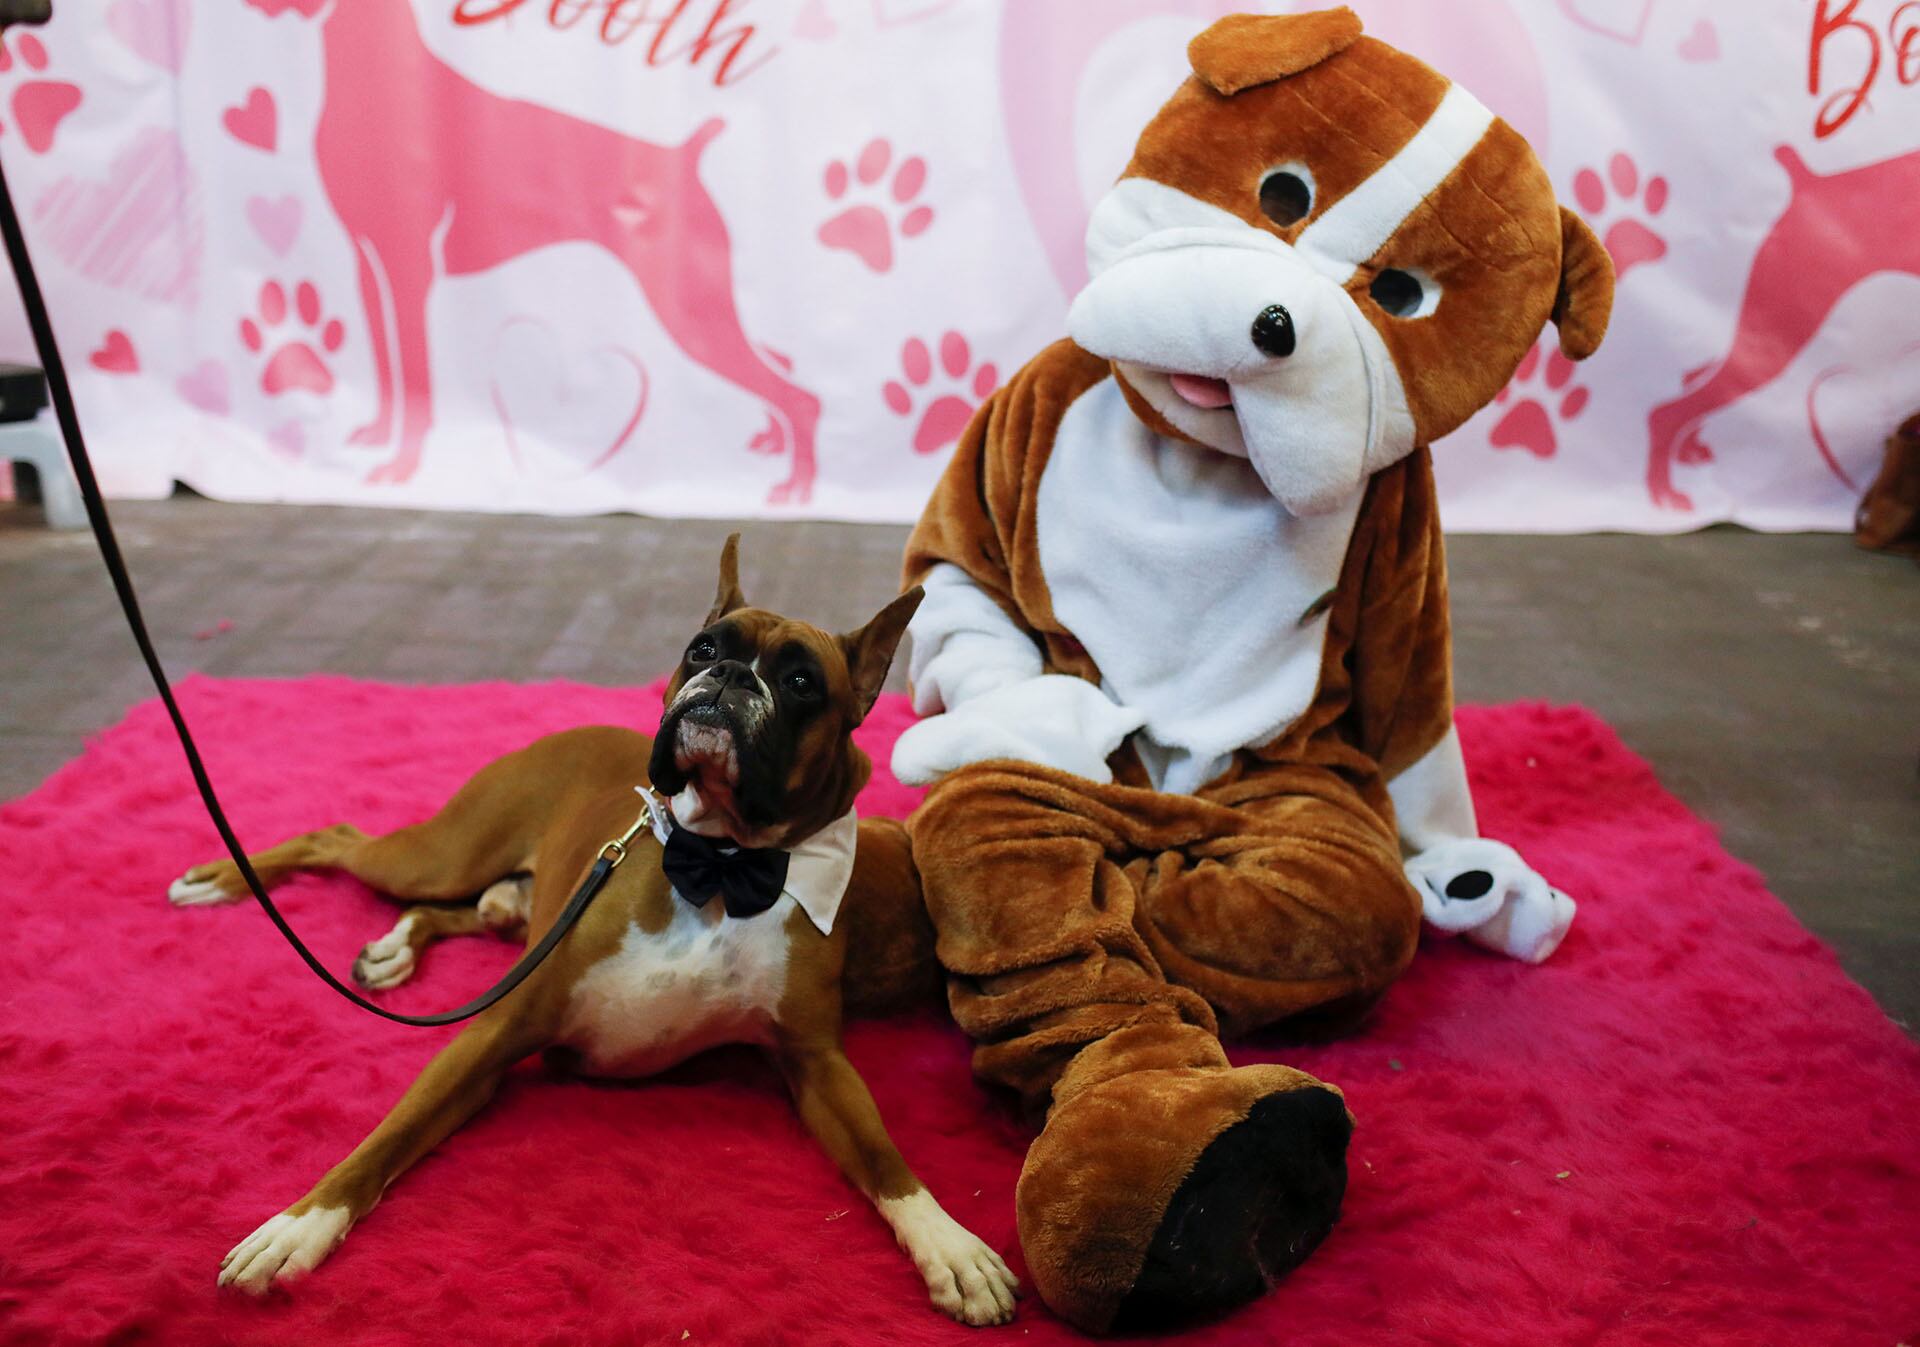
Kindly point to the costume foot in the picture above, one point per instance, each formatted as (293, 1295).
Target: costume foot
(1259, 1200)
(1165, 1196)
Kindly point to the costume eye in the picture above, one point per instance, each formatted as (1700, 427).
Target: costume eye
(1286, 195)
(704, 650)
(801, 684)
(1401, 293)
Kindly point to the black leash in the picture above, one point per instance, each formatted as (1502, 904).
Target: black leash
(610, 856)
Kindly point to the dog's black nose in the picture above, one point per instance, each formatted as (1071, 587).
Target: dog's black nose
(731, 673)
(1273, 331)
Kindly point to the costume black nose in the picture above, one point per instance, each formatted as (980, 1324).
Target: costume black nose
(1273, 330)
(731, 673)
(1470, 884)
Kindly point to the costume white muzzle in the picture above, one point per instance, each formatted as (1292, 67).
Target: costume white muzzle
(1178, 286)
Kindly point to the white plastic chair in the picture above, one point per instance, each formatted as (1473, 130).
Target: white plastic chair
(38, 442)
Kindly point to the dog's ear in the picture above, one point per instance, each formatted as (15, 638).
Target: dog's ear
(728, 597)
(1243, 50)
(870, 650)
(1584, 305)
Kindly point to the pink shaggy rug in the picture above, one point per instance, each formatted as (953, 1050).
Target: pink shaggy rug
(1688, 1128)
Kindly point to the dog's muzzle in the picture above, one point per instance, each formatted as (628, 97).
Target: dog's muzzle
(727, 699)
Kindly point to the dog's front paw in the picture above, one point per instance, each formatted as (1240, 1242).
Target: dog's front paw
(285, 1249)
(965, 1278)
(207, 885)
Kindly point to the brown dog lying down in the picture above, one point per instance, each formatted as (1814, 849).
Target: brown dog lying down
(756, 757)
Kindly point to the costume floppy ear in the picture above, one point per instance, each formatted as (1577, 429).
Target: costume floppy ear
(870, 650)
(728, 597)
(1243, 50)
(1585, 301)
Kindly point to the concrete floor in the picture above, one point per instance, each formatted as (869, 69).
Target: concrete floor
(1774, 682)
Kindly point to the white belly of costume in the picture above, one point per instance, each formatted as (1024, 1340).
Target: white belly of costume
(1187, 582)
(706, 980)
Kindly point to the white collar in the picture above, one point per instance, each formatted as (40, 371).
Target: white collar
(818, 870)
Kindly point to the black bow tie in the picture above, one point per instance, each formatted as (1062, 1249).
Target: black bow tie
(698, 868)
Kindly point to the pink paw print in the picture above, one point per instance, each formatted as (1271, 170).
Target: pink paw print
(293, 362)
(1630, 241)
(1529, 424)
(942, 419)
(866, 228)
(39, 105)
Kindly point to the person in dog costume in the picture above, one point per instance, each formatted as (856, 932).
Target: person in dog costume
(1184, 654)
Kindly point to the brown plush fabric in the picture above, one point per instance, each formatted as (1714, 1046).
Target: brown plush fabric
(1584, 305)
(1493, 231)
(1243, 50)
(1889, 516)
(1064, 906)
(1098, 1181)
(1218, 149)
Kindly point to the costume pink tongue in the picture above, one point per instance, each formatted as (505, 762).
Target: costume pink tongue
(1202, 392)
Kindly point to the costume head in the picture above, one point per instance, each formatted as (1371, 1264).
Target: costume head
(1325, 253)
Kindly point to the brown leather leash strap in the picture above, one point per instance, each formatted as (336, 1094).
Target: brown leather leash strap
(610, 856)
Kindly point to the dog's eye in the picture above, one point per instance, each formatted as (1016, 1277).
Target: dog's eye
(702, 651)
(1286, 196)
(1400, 293)
(801, 684)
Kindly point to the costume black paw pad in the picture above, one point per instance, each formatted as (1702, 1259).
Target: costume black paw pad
(1258, 1201)
(1470, 884)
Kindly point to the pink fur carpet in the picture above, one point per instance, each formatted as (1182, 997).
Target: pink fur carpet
(1688, 1128)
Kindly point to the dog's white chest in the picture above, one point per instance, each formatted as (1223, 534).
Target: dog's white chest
(705, 980)
(1202, 600)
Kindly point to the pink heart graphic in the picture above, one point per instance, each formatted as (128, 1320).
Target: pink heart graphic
(1624, 20)
(138, 230)
(276, 220)
(577, 405)
(116, 355)
(1702, 44)
(255, 122)
(153, 30)
(1858, 386)
(205, 386)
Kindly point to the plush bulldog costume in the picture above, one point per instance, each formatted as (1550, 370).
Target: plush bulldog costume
(1184, 651)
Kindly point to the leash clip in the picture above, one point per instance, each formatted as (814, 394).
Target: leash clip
(616, 851)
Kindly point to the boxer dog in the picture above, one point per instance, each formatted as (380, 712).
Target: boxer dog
(758, 770)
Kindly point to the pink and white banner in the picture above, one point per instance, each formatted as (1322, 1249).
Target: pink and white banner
(731, 257)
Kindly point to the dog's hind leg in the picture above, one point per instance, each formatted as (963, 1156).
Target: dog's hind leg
(485, 833)
(439, 861)
(448, 859)
(220, 882)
